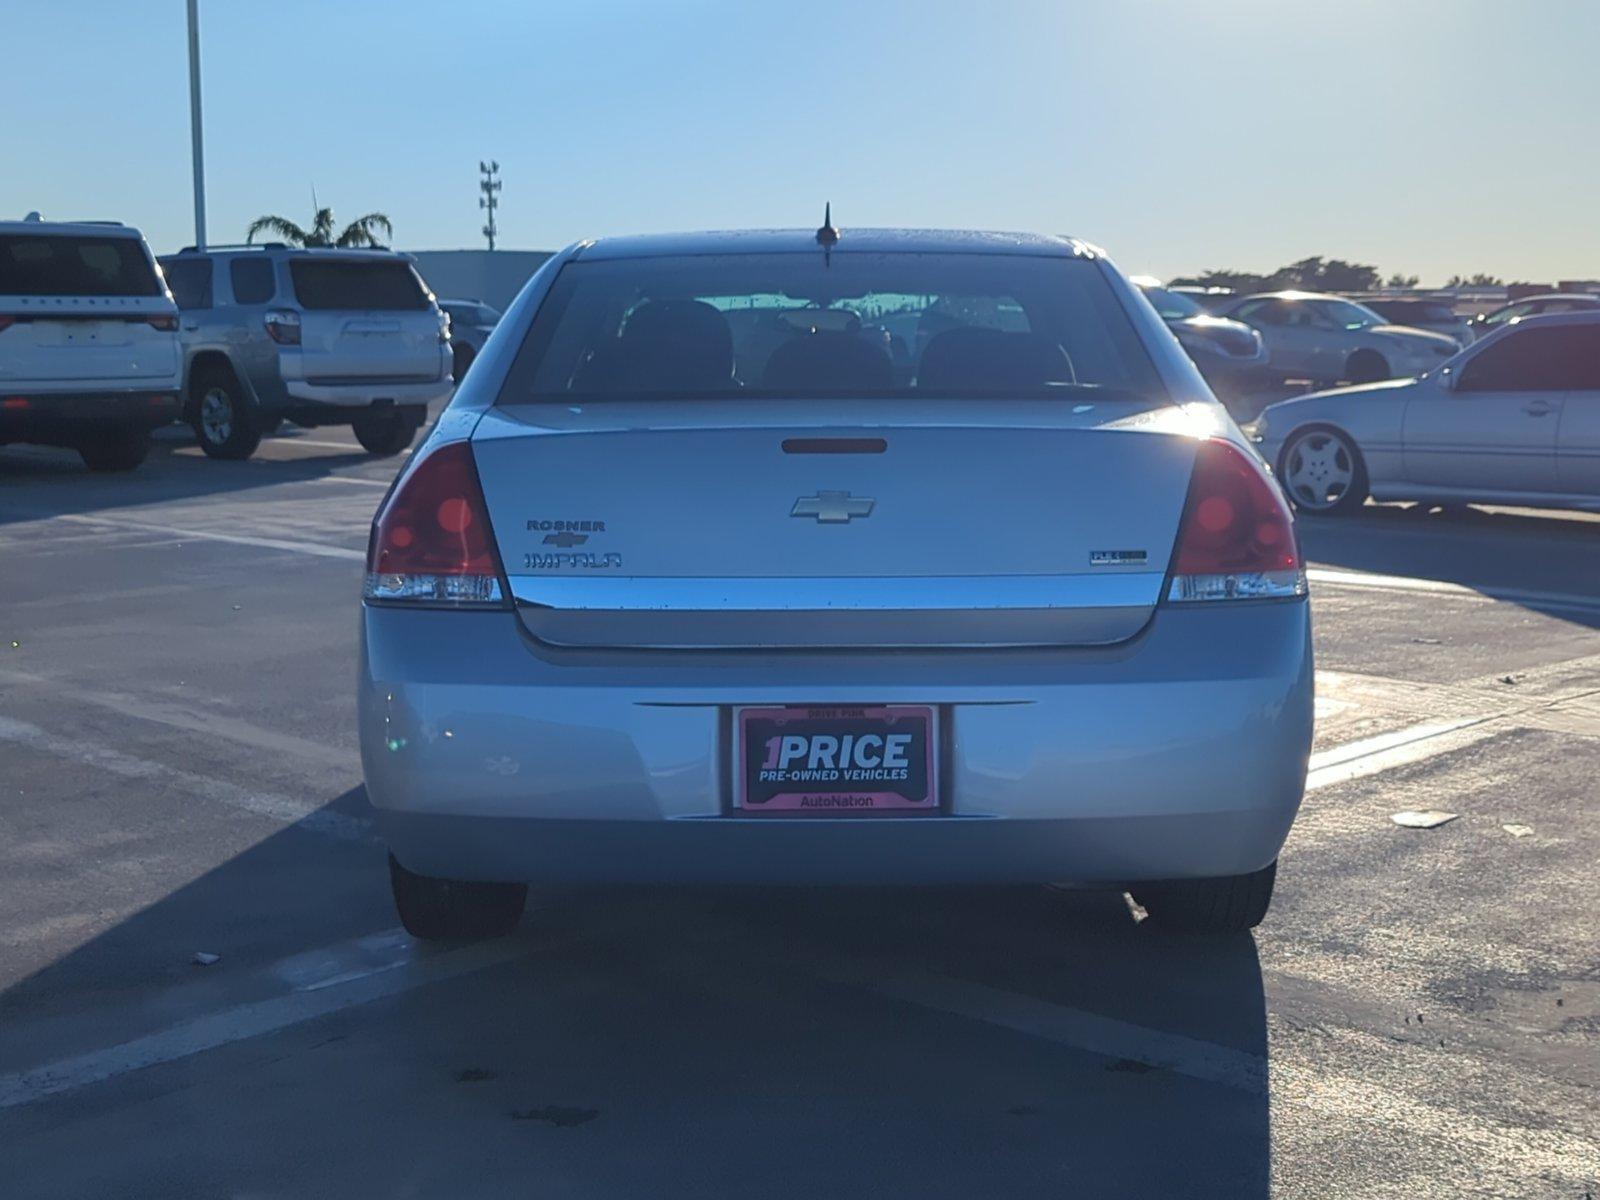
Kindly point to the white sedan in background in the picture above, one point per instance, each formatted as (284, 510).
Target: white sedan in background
(1513, 419)
(1328, 339)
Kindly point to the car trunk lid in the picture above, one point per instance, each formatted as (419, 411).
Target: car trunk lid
(727, 524)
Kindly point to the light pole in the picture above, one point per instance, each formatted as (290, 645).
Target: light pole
(490, 187)
(197, 142)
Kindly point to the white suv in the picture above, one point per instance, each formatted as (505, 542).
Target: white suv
(315, 336)
(89, 354)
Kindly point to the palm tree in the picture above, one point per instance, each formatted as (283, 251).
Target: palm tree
(360, 232)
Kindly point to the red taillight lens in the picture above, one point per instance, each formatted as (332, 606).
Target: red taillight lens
(431, 542)
(283, 326)
(165, 322)
(1237, 540)
(6, 321)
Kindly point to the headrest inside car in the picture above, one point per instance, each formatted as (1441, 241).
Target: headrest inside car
(972, 358)
(828, 361)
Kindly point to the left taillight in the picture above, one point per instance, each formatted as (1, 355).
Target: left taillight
(1236, 540)
(283, 326)
(165, 322)
(431, 542)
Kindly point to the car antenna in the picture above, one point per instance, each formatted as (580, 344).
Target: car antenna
(827, 235)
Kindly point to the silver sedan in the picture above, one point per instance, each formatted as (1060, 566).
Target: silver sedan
(881, 557)
(1513, 419)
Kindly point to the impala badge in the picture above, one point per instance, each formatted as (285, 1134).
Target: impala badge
(832, 508)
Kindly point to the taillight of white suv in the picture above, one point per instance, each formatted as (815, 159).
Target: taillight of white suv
(283, 326)
(431, 543)
(1237, 538)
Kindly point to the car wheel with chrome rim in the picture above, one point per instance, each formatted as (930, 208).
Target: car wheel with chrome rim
(1322, 472)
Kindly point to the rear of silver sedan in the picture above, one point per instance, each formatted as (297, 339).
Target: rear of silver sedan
(723, 597)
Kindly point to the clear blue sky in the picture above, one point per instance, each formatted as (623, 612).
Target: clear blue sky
(1426, 137)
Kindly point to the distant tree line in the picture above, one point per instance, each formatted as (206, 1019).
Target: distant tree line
(1319, 274)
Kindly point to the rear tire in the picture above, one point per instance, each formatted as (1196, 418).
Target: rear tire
(451, 910)
(388, 431)
(1366, 366)
(224, 423)
(119, 451)
(1231, 904)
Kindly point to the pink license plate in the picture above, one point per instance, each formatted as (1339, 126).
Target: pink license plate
(836, 760)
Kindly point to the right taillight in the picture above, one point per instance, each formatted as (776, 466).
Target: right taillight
(1236, 541)
(431, 542)
(283, 326)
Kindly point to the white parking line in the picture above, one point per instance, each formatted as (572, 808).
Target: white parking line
(318, 549)
(1404, 583)
(1072, 1027)
(301, 814)
(353, 447)
(191, 719)
(212, 1030)
(1402, 747)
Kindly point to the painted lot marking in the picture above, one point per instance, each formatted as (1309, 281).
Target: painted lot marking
(194, 720)
(318, 549)
(1568, 602)
(1071, 1027)
(262, 804)
(250, 1020)
(1402, 747)
(352, 447)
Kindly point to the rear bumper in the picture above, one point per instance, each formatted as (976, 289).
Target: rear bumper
(69, 417)
(1179, 754)
(365, 393)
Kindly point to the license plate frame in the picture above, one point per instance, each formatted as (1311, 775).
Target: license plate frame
(860, 787)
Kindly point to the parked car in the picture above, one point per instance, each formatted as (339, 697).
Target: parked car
(471, 323)
(1436, 316)
(1512, 419)
(89, 353)
(1327, 339)
(1534, 306)
(320, 337)
(1212, 299)
(1230, 354)
(647, 607)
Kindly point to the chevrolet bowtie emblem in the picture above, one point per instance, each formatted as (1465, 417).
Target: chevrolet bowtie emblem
(565, 539)
(832, 508)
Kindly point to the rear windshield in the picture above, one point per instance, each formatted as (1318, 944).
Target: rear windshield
(345, 283)
(802, 325)
(56, 265)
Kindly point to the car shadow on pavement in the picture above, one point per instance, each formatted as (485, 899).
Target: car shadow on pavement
(661, 1042)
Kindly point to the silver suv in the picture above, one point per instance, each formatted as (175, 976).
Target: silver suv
(318, 337)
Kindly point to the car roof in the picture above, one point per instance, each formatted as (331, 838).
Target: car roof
(851, 241)
(72, 228)
(1293, 295)
(1581, 297)
(1539, 320)
(282, 248)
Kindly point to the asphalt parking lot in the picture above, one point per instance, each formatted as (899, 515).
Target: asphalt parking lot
(1419, 1015)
